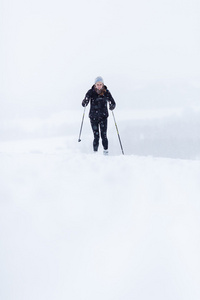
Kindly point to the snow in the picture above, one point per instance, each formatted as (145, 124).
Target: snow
(78, 225)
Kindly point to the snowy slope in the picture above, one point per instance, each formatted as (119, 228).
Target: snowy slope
(76, 225)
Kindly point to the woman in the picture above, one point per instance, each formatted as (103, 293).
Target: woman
(99, 96)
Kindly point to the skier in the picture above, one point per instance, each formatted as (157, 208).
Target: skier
(99, 96)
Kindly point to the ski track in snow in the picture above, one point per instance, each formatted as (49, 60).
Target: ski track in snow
(87, 226)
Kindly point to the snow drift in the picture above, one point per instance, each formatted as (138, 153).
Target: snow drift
(76, 225)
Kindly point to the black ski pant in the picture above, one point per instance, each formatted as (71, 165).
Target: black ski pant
(102, 127)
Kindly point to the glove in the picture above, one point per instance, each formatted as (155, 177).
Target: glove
(111, 106)
(84, 103)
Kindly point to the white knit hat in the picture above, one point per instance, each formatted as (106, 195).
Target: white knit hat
(98, 79)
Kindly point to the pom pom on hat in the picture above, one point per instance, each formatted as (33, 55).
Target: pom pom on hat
(98, 79)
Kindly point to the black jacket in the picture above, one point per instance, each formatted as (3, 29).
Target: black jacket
(98, 103)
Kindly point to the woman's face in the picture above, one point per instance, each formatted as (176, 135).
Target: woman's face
(99, 85)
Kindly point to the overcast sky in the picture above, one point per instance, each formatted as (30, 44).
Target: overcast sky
(51, 51)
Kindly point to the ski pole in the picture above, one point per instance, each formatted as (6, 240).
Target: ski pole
(118, 133)
(79, 139)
